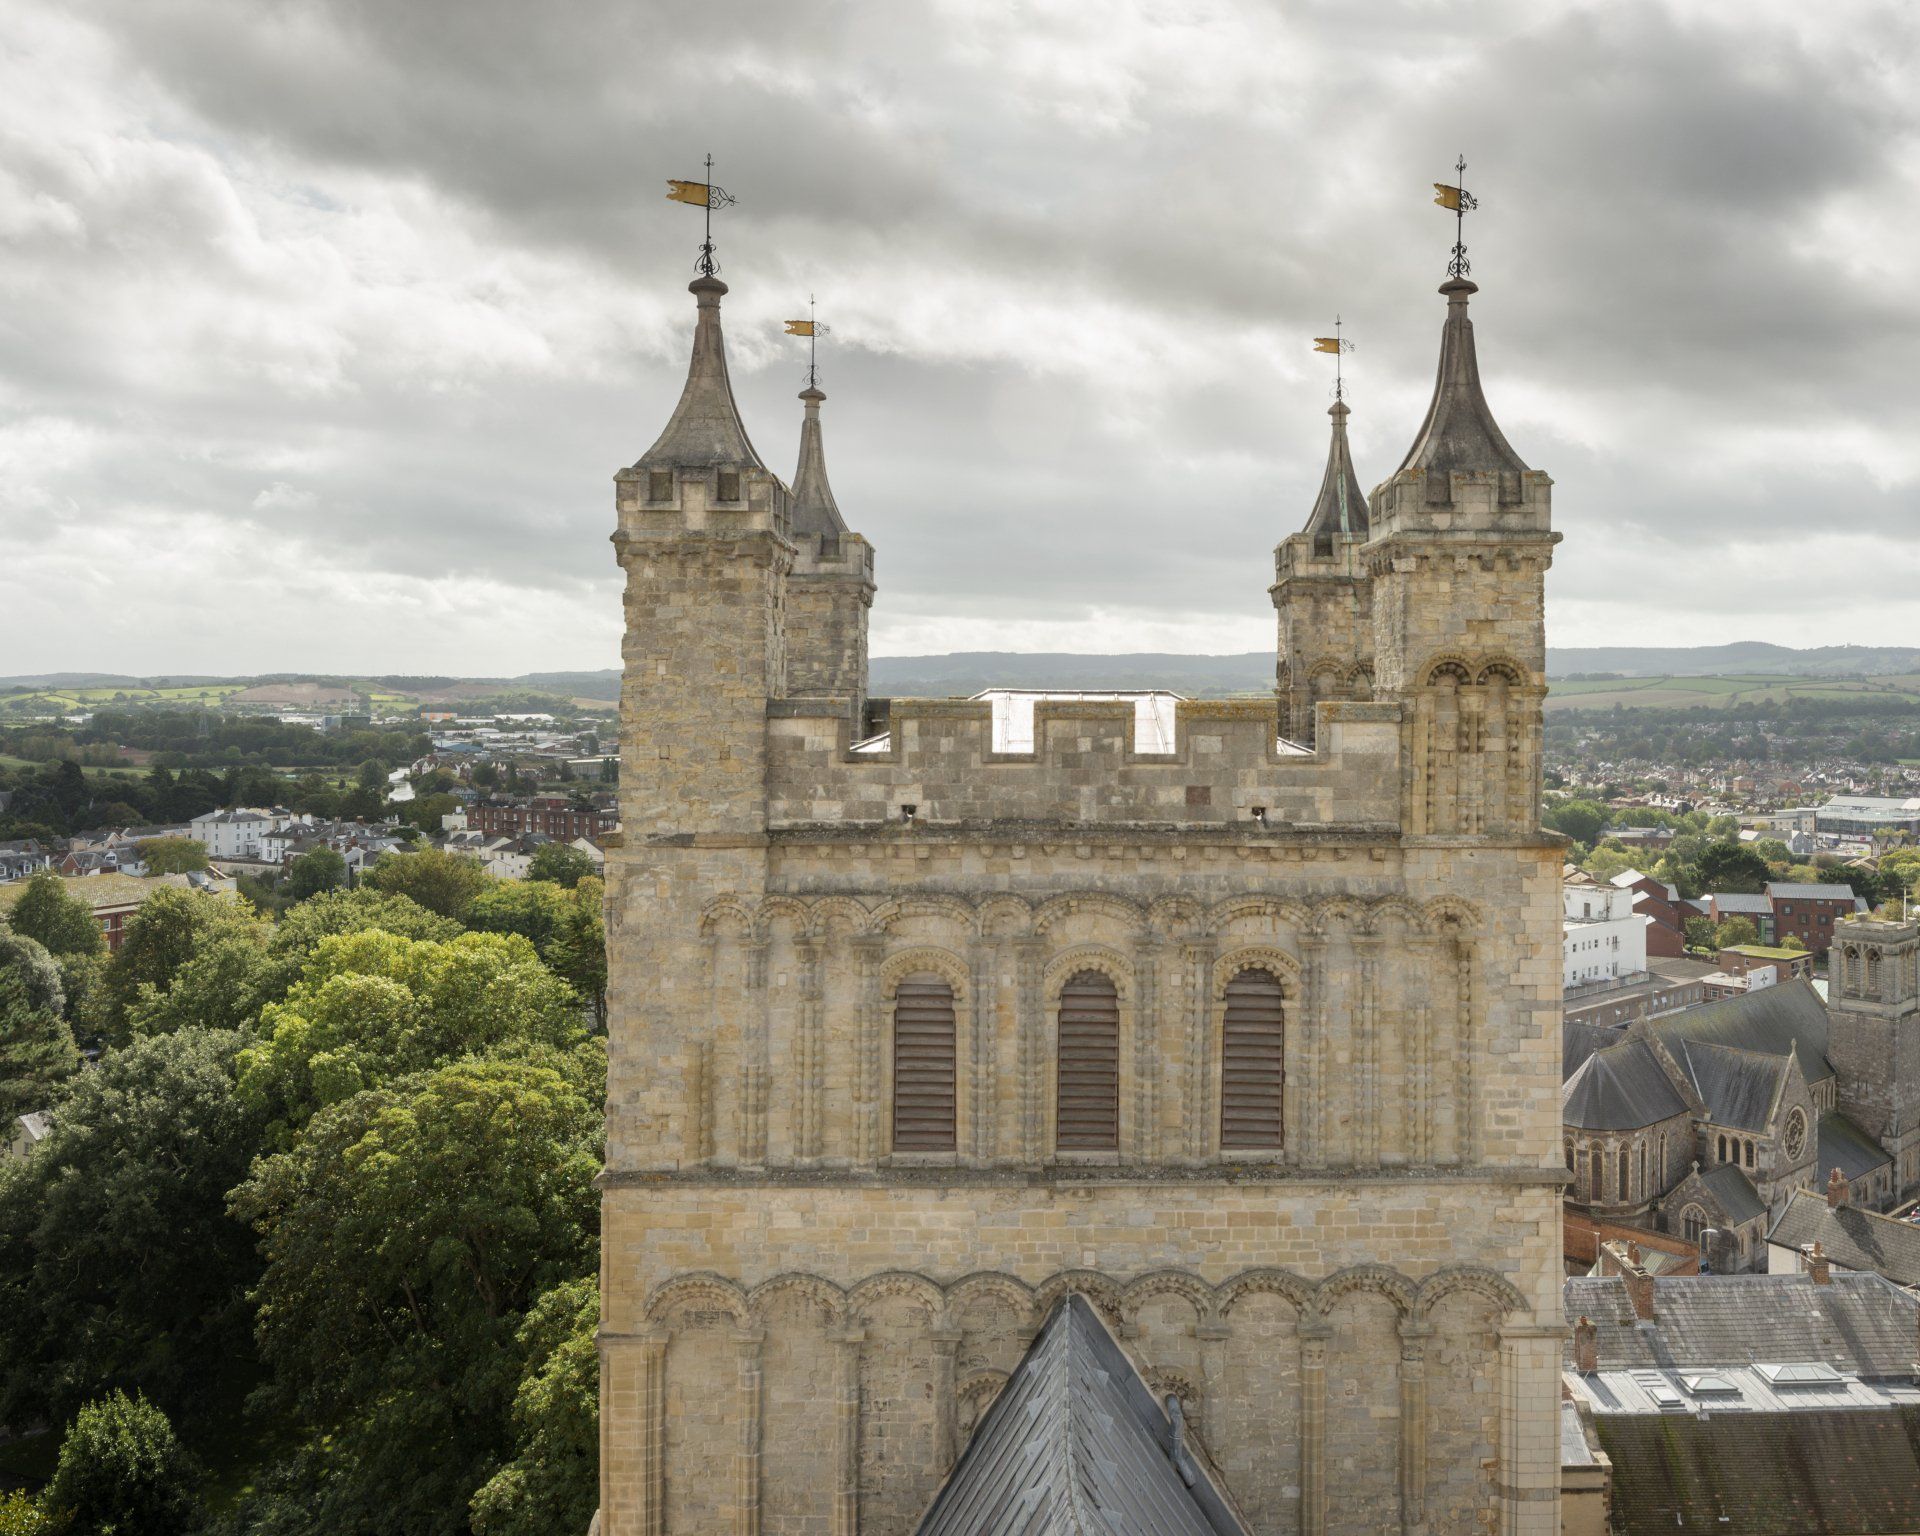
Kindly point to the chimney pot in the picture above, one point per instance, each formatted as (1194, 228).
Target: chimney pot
(1818, 1268)
(1837, 1191)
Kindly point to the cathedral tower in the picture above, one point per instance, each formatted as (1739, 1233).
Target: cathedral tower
(1873, 1009)
(832, 584)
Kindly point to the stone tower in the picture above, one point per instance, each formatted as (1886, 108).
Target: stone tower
(1873, 1037)
(1253, 1045)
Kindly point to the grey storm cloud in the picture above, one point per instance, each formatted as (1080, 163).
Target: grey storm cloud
(323, 323)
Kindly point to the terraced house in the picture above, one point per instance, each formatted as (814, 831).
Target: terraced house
(1229, 1028)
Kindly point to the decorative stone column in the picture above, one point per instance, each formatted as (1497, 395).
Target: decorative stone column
(1031, 1024)
(983, 1110)
(1313, 1055)
(1528, 1484)
(753, 1060)
(1314, 1337)
(846, 1426)
(1366, 1030)
(1145, 1141)
(633, 1389)
(810, 1068)
(1213, 1336)
(870, 1040)
(946, 1401)
(1200, 1137)
(1413, 1422)
(1468, 1043)
(746, 1481)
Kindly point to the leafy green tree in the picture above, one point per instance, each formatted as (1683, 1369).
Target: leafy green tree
(485, 775)
(1773, 850)
(34, 971)
(23, 1515)
(562, 863)
(426, 811)
(316, 871)
(1606, 861)
(1728, 868)
(441, 882)
(123, 1472)
(1701, 934)
(1736, 930)
(371, 1007)
(1581, 820)
(406, 1236)
(118, 1261)
(564, 926)
(37, 1053)
(553, 1481)
(216, 943)
(173, 855)
(1794, 942)
(64, 923)
(372, 775)
(300, 930)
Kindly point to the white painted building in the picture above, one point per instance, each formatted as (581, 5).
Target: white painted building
(234, 834)
(1605, 939)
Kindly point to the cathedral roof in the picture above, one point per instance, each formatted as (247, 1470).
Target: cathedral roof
(705, 429)
(1076, 1445)
(1341, 507)
(814, 509)
(1459, 432)
(1619, 1088)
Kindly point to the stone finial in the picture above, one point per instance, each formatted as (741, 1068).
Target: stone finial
(1837, 1190)
(815, 513)
(1341, 507)
(1819, 1270)
(705, 429)
(1586, 1347)
(1459, 432)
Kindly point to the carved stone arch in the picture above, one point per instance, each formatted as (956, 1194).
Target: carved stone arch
(1168, 1282)
(1257, 957)
(705, 1291)
(1173, 916)
(1505, 668)
(1015, 1293)
(1449, 667)
(1505, 1296)
(944, 963)
(1375, 1279)
(1360, 675)
(726, 912)
(815, 1288)
(1390, 909)
(1099, 1291)
(1165, 1383)
(1450, 915)
(1069, 963)
(773, 908)
(1013, 914)
(897, 1282)
(890, 914)
(831, 909)
(1074, 903)
(1336, 909)
(1332, 669)
(976, 1395)
(1265, 1282)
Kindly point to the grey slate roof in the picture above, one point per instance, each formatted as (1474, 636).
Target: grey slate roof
(705, 429)
(1773, 1020)
(1075, 1445)
(1850, 1236)
(1737, 1086)
(1579, 1041)
(1620, 1088)
(1735, 1193)
(1859, 1322)
(1743, 903)
(814, 510)
(1764, 1474)
(1459, 431)
(1843, 1145)
(1341, 507)
(1800, 891)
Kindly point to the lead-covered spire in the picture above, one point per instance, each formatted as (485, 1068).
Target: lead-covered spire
(705, 429)
(1459, 433)
(814, 509)
(1341, 508)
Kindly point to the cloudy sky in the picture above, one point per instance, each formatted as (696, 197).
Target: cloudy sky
(324, 323)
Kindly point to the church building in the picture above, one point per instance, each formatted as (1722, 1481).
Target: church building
(1184, 1099)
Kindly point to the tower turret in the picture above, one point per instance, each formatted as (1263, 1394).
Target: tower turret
(1322, 596)
(832, 584)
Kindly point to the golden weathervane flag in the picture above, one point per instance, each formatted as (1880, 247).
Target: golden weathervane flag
(1446, 196)
(799, 327)
(1327, 344)
(696, 192)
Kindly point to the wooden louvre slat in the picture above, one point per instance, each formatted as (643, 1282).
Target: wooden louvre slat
(924, 1068)
(1087, 1115)
(1252, 1062)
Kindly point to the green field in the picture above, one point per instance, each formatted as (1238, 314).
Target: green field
(74, 699)
(1720, 692)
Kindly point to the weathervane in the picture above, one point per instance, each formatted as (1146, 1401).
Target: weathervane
(1338, 346)
(813, 331)
(702, 194)
(1460, 200)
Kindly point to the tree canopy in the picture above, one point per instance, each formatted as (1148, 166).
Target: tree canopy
(123, 1472)
(441, 882)
(64, 923)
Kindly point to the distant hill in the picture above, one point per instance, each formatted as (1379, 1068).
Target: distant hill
(1745, 656)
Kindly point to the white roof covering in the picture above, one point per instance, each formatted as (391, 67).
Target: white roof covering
(1153, 715)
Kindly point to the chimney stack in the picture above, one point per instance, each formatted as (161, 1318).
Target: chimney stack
(1816, 1262)
(1586, 1347)
(1836, 1190)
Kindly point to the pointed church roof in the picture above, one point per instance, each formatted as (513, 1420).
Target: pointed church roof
(1459, 432)
(705, 428)
(1341, 507)
(814, 509)
(1075, 1445)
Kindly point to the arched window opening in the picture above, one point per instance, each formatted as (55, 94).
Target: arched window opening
(1749, 1152)
(1693, 1221)
(1723, 1151)
(1087, 1113)
(1626, 1186)
(1252, 1063)
(924, 1063)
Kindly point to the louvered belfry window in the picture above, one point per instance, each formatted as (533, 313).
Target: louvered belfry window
(1087, 1118)
(1252, 1063)
(923, 1066)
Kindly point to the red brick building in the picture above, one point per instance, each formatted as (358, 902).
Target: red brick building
(553, 815)
(1809, 912)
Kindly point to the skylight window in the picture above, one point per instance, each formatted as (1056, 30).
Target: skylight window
(1709, 1385)
(1807, 1373)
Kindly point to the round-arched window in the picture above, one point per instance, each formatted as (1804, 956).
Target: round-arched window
(1796, 1135)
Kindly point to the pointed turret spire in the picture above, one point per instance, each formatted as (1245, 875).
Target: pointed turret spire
(705, 428)
(814, 509)
(1341, 508)
(1459, 432)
